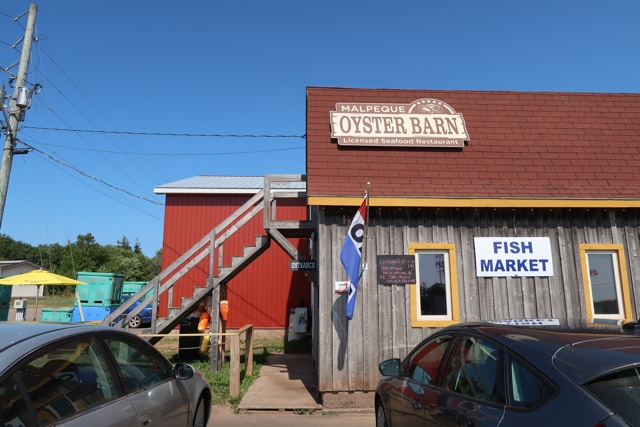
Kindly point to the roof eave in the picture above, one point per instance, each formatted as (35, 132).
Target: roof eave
(464, 202)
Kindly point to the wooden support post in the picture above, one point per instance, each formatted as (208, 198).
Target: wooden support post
(234, 372)
(248, 352)
(215, 362)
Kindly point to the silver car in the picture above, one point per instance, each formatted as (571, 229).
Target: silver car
(68, 374)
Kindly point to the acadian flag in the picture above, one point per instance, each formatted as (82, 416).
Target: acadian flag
(351, 254)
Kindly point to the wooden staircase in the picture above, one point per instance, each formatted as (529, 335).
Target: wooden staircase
(213, 244)
(188, 305)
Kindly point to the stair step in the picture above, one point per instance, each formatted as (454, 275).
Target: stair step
(189, 304)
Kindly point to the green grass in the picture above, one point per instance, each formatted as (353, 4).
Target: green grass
(220, 380)
(56, 301)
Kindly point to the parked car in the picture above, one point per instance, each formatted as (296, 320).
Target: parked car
(551, 373)
(140, 319)
(73, 374)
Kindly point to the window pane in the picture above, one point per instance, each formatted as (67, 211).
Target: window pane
(425, 364)
(138, 364)
(433, 284)
(64, 381)
(621, 393)
(527, 388)
(603, 283)
(13, 410)
(476, 370)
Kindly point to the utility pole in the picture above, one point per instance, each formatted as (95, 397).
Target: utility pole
(15, 110)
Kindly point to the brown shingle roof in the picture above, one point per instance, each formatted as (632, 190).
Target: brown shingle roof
(522, 145)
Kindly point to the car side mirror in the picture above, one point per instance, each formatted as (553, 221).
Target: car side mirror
(417, 388)
(183, 371)
(390, 367)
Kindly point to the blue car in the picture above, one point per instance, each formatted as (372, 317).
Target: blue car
(142, 318)
(525, 373)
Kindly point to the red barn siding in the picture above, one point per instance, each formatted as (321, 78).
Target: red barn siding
(263, 292)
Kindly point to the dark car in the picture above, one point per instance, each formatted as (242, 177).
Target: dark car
(73, 374)
(531, 373)
(140, 319)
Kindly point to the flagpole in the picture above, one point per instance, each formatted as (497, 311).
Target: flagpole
(363, 267)
(364, 250)
(352, 256)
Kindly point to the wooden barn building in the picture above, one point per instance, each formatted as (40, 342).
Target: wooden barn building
(512, 205)
(482, 205)
(263, 290)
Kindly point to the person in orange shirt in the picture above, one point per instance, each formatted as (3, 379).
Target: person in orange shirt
(203, 325)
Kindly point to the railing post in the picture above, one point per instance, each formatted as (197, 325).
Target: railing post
(214, 354)
(266, 210)
(248, 351)
(234, 372)
(154, 306)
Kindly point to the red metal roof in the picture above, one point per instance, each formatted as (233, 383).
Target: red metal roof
(522, 145)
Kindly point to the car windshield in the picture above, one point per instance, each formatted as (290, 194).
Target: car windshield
(620, 392)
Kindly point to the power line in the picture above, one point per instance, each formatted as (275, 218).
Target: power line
(91, 177)
(100, 112)
(226, 153)
(199, 135)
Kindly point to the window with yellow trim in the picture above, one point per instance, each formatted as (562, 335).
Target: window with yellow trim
(434, 296)
(606, 287)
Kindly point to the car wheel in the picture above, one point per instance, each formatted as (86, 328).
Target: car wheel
(199, 417)
(381, 418)
(135, 322)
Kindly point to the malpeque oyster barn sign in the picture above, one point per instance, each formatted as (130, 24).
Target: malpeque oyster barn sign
(423, 123)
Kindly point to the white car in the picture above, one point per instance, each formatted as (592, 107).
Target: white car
(69, 374)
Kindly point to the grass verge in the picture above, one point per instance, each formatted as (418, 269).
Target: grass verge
(219, 381)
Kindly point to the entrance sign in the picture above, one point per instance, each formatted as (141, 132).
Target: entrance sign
(302, 265)
(513, 256)
(423, 123)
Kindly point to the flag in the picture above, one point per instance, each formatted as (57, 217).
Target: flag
(351, 254)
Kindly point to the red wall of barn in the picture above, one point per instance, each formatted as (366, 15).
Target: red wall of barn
(264, 292)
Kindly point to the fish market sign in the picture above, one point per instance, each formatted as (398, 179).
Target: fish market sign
(423, 123)
(511, 257)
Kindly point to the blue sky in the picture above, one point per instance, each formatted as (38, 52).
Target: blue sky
(130, 69)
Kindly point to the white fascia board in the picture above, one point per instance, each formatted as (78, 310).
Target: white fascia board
(205, 190)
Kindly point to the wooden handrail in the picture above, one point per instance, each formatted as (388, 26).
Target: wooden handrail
(234, 374)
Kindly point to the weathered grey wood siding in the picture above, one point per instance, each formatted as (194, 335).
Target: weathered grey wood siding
(348, 352)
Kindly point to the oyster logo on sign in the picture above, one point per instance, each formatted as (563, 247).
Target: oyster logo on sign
(423, 123)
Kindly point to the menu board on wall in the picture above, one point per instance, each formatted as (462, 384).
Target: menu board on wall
(396, 269)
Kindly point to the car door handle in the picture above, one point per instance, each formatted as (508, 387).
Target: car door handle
(416, 404)
(144, 420)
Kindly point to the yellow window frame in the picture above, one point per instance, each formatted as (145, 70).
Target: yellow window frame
(624, 278)
(453, 287)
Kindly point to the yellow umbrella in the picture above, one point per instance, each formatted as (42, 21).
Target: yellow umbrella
(39, 278)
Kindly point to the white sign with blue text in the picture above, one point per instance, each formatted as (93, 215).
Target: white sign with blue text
(513, 256)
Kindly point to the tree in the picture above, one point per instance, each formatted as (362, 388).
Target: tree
(122, 261)
(85, 255)
(11, 249)
(153, 265)
(124, 243)
(136, 248)
(48, 256)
